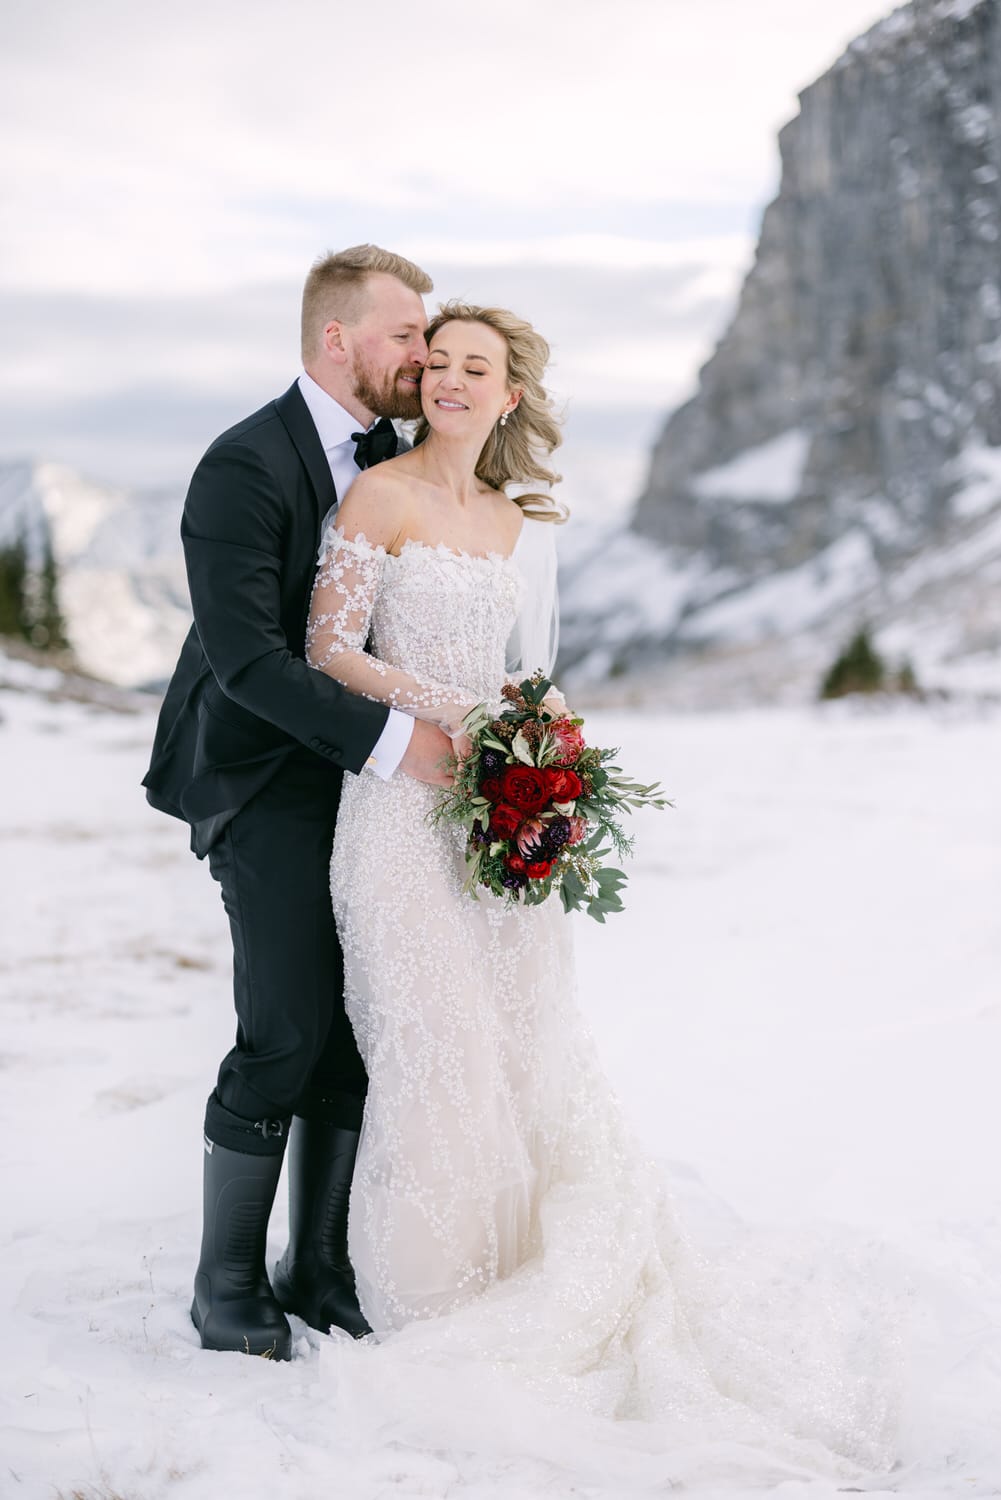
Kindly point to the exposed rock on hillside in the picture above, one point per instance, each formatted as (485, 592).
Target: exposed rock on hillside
(841, 458)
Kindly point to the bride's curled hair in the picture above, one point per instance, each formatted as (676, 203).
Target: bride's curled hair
(514, 454)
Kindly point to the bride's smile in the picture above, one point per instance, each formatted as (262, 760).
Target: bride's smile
(464, 385)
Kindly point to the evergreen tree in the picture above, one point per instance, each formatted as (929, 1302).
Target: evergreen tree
(858, 669)
(13, 585)
(47, 629)
(29, 597)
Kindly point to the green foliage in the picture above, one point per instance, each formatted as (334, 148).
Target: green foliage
(13, 576)
(859, 668)
(29, 598)
(583, 881)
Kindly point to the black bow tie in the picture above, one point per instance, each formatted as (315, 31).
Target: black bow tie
(373, 446)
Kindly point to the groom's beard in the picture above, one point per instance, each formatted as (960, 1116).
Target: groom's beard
(384, 395)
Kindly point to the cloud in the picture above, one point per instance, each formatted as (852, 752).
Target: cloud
(169, 175)
(191, 148)
(133, 388)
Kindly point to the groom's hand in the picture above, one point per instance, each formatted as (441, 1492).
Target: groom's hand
(428, 754)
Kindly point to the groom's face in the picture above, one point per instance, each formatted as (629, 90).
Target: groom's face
(387, 349)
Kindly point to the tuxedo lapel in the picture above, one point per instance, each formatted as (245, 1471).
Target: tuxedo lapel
(302, 430)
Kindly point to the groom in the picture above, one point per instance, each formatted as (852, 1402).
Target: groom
(250, 750)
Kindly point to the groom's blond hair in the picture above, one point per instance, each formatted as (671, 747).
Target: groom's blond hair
(335, 288)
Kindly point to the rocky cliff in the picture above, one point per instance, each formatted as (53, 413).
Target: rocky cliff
(841, 458)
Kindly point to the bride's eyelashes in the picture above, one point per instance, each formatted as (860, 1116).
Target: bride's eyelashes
(445, 367)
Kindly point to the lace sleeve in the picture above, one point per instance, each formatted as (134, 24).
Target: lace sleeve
(344, 591)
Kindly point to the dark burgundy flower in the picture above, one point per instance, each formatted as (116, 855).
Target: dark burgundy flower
(525, 788)
(513, 882)
(556, 836)
(490, 788)
(504, 821)
(492, 761)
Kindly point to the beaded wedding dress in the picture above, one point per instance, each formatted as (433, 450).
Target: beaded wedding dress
(517, 1255)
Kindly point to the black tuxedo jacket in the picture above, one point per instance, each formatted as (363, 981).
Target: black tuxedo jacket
(242, 696)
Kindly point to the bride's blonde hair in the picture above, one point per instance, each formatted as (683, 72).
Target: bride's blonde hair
(514, 453)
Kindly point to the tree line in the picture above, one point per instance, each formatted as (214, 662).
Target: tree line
(29, 597)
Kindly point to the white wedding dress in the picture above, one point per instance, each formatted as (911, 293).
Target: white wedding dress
(517, 1254)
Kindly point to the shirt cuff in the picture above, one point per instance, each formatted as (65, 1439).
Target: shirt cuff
(391, 746)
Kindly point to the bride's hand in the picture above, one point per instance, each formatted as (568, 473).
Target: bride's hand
(461, 746)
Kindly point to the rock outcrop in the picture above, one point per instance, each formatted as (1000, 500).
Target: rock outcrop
(841, 458)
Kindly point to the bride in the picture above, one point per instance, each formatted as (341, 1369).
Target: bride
(504, 1226)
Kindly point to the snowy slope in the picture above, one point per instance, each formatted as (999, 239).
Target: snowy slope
(800, 1009)
(672, 619)
(122, 588)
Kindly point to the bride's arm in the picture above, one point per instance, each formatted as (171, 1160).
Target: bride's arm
(347, 581)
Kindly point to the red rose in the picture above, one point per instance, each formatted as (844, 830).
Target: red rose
(490, 788)
(504, 821)
(564, 786)
(515, 863)
(569, 741)
(539, 869)
(525, 788)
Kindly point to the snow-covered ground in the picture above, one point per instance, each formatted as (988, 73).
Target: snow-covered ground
(801, 1010)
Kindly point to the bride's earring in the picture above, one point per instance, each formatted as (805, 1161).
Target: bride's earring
(503, 420)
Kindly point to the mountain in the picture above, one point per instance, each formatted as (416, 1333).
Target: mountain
(122, 588)
(840, 461)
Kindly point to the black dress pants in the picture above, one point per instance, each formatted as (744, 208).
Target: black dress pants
(295, 1052)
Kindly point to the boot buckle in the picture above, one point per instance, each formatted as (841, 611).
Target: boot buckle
(270, 1127)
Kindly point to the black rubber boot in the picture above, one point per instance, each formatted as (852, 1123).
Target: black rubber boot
(314, 1277)
(234, 1306)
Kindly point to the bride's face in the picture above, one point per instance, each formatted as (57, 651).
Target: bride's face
(464, 385)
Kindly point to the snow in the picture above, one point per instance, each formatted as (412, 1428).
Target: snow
(122, 587)
(792, 599)
(770, 473)
(901, 22)
(956, 10)
(800, 1008)
(971, 554)
(979, 469)
(974, 123)
(627, 582)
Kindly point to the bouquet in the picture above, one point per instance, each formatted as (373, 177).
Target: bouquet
(541, 806)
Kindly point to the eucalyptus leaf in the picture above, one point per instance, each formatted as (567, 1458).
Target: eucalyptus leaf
(521, 749)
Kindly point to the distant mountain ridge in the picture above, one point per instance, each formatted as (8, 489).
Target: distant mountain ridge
(841, 459)
(122, 587)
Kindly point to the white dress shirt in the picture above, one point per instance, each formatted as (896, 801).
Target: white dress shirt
(335, 426)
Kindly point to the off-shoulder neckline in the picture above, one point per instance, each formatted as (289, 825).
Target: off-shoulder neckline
(416, 544)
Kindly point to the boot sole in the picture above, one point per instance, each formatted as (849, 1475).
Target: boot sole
(270, 1344)
(289, 1302)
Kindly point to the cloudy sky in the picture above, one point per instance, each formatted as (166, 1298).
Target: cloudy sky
(168, 174)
